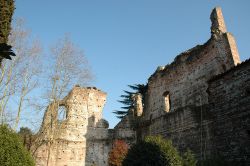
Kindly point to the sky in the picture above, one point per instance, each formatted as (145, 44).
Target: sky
(126, 40)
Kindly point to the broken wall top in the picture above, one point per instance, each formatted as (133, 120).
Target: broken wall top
(82, 108)
(218, 34)
(185, 79)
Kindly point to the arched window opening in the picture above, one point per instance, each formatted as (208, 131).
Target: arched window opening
(167, 103)
(62, 113)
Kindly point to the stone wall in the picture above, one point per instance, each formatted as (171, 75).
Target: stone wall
(201, 102)
(187, 127)
(229, 97)
(185, 80)
(179, 102)
(82, 138)
(70, 141)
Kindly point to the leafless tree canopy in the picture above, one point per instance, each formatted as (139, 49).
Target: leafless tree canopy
(24, 80)
(20, 76)
(69, 67)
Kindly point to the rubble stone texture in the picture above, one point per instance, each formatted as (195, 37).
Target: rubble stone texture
(201, 101)
(209, 116)
(82, 138)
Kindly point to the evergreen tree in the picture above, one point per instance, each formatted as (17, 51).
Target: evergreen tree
(7, 9)
(6, 12)
(127, 99)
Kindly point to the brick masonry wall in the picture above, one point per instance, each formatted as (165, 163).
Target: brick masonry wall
(187, 127)
(186, 78)
(190, 121)
(82, 138)
(207, 115)
(229, 95)
(219, 128)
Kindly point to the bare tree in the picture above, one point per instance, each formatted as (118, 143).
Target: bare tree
(69, 67)
(20, 77)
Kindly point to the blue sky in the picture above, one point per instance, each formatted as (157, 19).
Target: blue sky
(125, 40)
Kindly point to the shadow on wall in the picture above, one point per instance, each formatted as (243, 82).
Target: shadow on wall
(98, 142)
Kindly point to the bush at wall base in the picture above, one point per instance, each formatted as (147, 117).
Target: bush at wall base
(153, 151)
(12, 151)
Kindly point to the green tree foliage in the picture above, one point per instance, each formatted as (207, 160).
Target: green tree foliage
(127, 99)
(12, 151)
(188, 159)
(7, 9)
(6, 12)
(118, 153)
(6, 51)
(154, 150)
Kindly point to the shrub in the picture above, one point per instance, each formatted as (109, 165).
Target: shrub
(12, 151)
(188, 159)
(118, 153)
(153, 151)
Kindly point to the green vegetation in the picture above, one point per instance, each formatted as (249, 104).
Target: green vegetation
(12, 151)
(127, 99)
(188, 159)
(7, 9)
(153, 151)
(6, 12)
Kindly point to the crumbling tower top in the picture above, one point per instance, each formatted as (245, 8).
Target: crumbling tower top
(218, 24)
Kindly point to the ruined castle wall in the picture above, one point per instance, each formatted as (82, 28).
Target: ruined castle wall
(229, 95)
(98, 146)
(185, 80)
(184, 102)
(60, 153)
(188, 128)
(78, 138)
(125, 128)
(176, 103)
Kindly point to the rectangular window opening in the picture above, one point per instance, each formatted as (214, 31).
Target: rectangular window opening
(166, 101)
